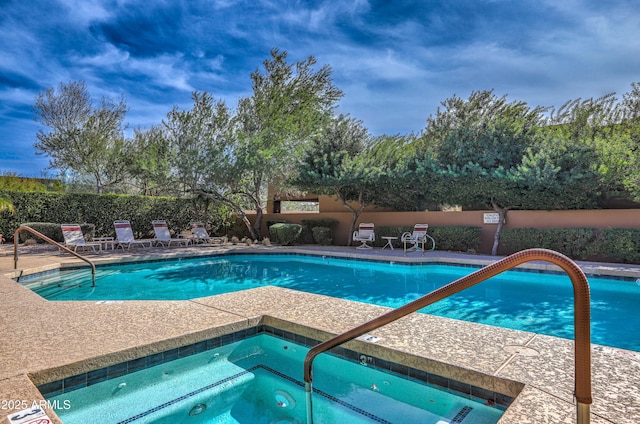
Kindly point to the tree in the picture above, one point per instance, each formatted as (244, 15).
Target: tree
(289, 105)
(340, 162)
(475, 145)
(83, 139)
(150, 162)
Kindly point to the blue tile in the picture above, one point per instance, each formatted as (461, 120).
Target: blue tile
(97, 376)
(186, 350)
(49, 389)
(460, 387)
(214, 343)
(172, 354)
(400, 369)
(155, 359)
(137, 364)
(75, 382)
(200, 347)
(419, 374)
(117, 370)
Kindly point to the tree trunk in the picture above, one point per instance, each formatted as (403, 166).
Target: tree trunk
(257, 226)
(356, 215)
(502, 218)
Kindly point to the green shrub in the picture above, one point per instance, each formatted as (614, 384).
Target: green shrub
(320, 222)
(517, 239)
(456, 238)
(322, 235)
(270, 222)
(53, 231)
(610, 244)
(308, 225)
(617, 245)
(576, 243)
(573, 242)
(285, 234)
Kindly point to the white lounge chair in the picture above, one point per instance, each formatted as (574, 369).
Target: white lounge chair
(201, 234)
(161, 229)
(73, 239)
(365, 234)
(124, 236)
(417, 238)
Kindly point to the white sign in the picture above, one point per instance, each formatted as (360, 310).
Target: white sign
(491, 218)
(32, 415)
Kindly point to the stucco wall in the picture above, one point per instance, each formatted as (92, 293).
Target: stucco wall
(609, 218)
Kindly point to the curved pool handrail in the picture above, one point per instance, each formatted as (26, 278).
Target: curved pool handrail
(582, 320)
(52, 242)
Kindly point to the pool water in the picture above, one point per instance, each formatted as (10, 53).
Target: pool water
(528, 301)
(259, 380)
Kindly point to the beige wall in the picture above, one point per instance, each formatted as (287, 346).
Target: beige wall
(617, 218)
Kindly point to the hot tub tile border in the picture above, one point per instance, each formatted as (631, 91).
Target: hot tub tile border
(89, 378)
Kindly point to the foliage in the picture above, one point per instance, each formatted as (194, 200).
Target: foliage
(308, 225)
(53, 231)
(150, 163)
(285, 234)
(319, 222)
(85, 140)
(102, 210)
(456, 238)
(619, 245)
(231, 159)
(576, 243)
(322, 235)
(16, 183)
(340, 162)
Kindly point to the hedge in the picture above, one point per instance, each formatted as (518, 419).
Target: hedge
(54, 231)
(101, 211)
(309, 224)
(609, 244)
(454, 238)
(322, 235)
(285, 234)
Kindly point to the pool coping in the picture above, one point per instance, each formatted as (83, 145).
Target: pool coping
(546, 396)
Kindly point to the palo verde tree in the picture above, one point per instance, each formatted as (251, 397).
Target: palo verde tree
(150, 158)
(198, 141)
(82, 138)
(289, 105)
(340, 161)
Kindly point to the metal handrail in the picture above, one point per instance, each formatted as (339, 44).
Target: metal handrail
(582, 320)
(55, 243)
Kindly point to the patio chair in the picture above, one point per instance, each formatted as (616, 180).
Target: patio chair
(124, 236)
(364, 234)
(161, 229)
(74, 239)
(417, 238)
(201, 234)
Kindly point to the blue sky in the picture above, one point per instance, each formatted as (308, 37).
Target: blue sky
(394, 60)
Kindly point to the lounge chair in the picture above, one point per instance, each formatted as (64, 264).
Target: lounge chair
(417, 238)
(73, 239)
(201, 234)
(364, 234)
(124, 236)
(161, 229)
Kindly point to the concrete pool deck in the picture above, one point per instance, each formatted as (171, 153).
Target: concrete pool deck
(45, 341)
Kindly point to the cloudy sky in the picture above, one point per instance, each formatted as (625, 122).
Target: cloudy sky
(394, 60)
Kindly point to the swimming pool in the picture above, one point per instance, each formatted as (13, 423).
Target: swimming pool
(528, 301)
(259, 380)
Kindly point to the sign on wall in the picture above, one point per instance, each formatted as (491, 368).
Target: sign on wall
(491, 218)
